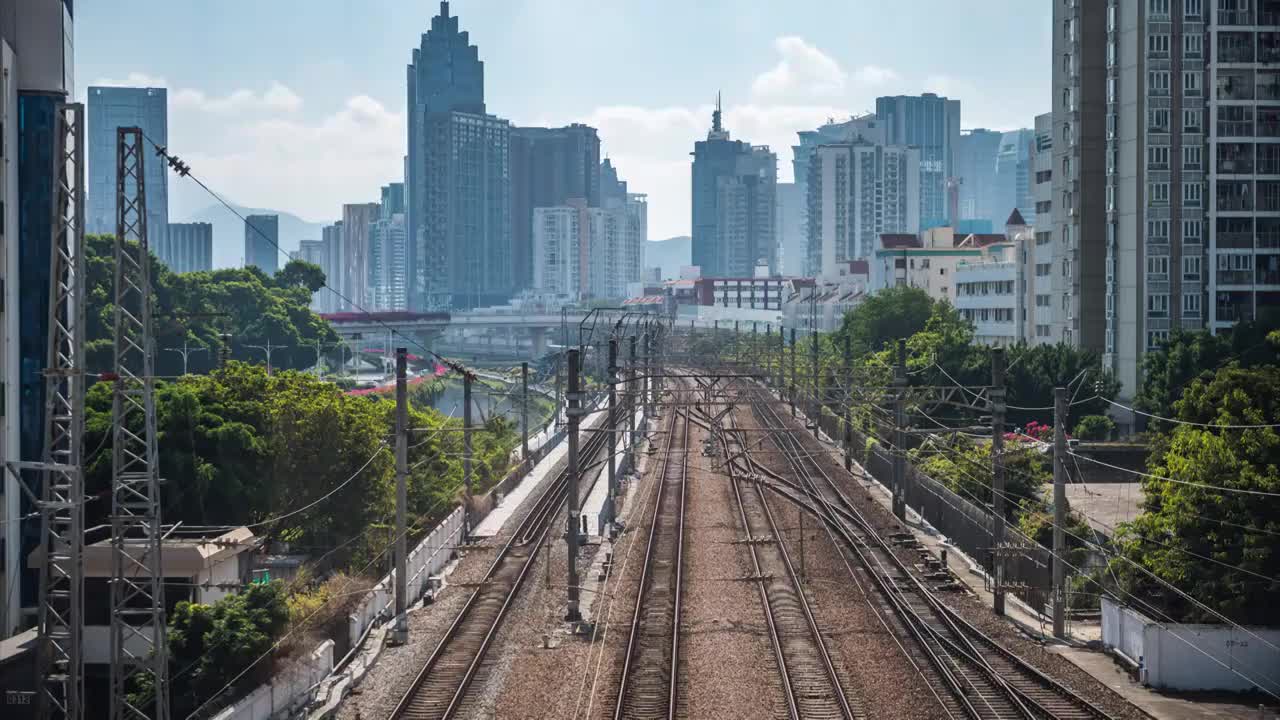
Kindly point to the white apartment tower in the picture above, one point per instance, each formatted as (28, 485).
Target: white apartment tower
(856, 192)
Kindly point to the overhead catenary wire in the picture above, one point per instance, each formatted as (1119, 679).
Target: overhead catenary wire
(1211, 426)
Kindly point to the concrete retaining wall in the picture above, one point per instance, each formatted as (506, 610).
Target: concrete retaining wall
(289, 689)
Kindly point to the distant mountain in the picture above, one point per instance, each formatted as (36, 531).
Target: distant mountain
(228, 232)
(670, 255)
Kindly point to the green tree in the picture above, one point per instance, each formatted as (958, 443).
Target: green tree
(897, 312)
(1095, 427)
(300, 273)
(1188, 355)
(1215, 545)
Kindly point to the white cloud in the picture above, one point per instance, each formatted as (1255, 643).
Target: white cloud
(802, 71)
(278, 97)
(875, 76)
(308, 168)
(133, 79)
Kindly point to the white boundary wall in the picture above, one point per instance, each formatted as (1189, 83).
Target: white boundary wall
(288, 690)
(1193, 656)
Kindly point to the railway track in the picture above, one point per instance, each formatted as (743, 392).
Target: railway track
(974, 676)
(810, 681)
(649, 686)
(441, 686)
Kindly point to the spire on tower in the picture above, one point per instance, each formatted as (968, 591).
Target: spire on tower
(716, 125)
(444, 8)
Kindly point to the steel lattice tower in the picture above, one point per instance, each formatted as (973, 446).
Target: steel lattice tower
(61, 620)
(139, 657)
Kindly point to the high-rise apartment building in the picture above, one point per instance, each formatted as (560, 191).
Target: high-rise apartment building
(388, 270)
(582, 252)
(111, 108)
(458, 176)
(1241, 159)
(790, 219)
(393, 202)
(187, 247)
(857, 192)
(262, 243)
(314, 252)
(933, 124)
(976, 170)
(356, 221)
(734, 203)
(1048, 292)
(559, 250)
(864, 127)
(1167, 110)
(549, 166)
(632, 268)
(331, 245)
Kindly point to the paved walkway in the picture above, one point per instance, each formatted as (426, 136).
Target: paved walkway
(1037, 625)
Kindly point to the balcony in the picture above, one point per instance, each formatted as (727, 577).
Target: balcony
(1234, 204)
(1238, 128)
(1238, 165)
(1235, 277)
(1269, 128)
(1235, 240)
(1268, 91)
(1234, 313)
(1235, 17)
(1236, 54)
(1269, 277)
(1269, 240)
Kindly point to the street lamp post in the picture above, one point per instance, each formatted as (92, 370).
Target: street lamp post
(186, 352)
(267, 349)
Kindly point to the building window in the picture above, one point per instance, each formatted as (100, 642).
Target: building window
(1042, 301)
(1191, 231)
(1158, 82)
(1158, 45)
(1191, 304)
(1043, 269)
(1158, 7)
(1191, 121)
(1158, 265)
(1158, 119)
(1192, 45)
(1191, 157)
(1156, 338)
(1042, 331)
(1158, 229)
(1191, 83)
(1158, 157)
(1158, 305)
(1192, 9)
(1191, 268)
(1159, 192)
(1191, 193)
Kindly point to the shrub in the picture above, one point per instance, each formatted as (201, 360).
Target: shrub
(1095, 427)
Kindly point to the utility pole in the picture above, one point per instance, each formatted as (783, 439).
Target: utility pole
(817, 402)
(224, 352)
(467, 379)
(736, 354)
(572, 614)
(60, 666)
(791, 394)
(899, 433)
(997, 478)
(139, 648)
(1059, 511)
(848, 402)
(185, 352)
(400, 634)
(319, 357)
(524, 409)
(631, 396)
(267, 349)
(559, 362)
(611, 434)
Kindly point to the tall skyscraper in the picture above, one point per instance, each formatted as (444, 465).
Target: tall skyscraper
(1013, 174)
(790, 218)
(549, 166)
(393, 202)
(856, 192)
(1048, 291)
(637, 236)
(458, 175)
(582, 252)
(111, 108)
(734, 204)
(932, 123)
(187, 247)
(356, 250)
(314, 252)
(976, 170)
(262, 243)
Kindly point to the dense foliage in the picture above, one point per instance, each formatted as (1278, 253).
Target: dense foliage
(238, 447)
(1213, 544)
(203, 307)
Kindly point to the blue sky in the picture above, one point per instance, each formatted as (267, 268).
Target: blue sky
(299, 105)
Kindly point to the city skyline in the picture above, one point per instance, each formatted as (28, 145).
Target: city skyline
(294, 102)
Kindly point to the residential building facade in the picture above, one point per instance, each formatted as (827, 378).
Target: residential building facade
(262, 242)
(932, 123)
(388, 265)
(991, 291)
(856, 192)
(976, 168)
(1048, 292)
(1014, 175)
(187, 247)
(357, 220)
(111, 108)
